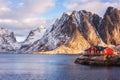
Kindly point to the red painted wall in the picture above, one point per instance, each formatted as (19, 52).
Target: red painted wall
(108, 51)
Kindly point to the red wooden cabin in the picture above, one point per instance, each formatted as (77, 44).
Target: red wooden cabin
(92, 50)
(95, 50)
(108, 51)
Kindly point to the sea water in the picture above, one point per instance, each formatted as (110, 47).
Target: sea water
(51, 67)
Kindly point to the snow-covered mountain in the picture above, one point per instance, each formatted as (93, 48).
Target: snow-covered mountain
(64, 29)
(7, 41)
(78, 30)
(33, 36)
(53, 37)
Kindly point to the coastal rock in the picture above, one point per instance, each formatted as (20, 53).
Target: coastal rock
(98, 60)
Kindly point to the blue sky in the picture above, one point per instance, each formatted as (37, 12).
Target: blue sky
(56, 11)
(21, 16)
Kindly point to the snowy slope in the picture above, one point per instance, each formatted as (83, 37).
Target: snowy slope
(54, 36)
(33, 36)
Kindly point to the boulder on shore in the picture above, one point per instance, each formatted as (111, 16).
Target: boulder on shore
(98, 60)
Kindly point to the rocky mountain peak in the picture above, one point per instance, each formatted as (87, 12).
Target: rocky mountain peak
(86, 23)
(66, 14)
(111, 10)
(109, 29)
(4, 31)
(112, 14)
(5, 34)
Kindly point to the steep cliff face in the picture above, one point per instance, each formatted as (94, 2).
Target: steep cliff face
(7, 41)
(86, 23)
(109, 28)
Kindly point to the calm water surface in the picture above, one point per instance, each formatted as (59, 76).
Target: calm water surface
(51, 67)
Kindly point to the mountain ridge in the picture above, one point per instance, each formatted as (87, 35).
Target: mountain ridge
(73, 32)
(88, 25)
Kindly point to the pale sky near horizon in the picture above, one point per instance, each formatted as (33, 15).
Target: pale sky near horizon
(21, 16)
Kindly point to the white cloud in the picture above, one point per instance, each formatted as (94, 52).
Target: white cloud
(4, 9)
(24, 15)
(95, 6)
(33, 8)
(8, 21)
(25, 8)
(4, 3)
(22, 28)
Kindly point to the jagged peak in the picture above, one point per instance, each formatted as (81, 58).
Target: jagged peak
(67, 13)
(74, 12)
(111, 9)
(39, 29)
(4, 31)
(82, 12)
(59, 22)
(112, 14)
(6, 36)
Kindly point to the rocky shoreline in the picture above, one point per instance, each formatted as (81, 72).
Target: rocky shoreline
(98, 60)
